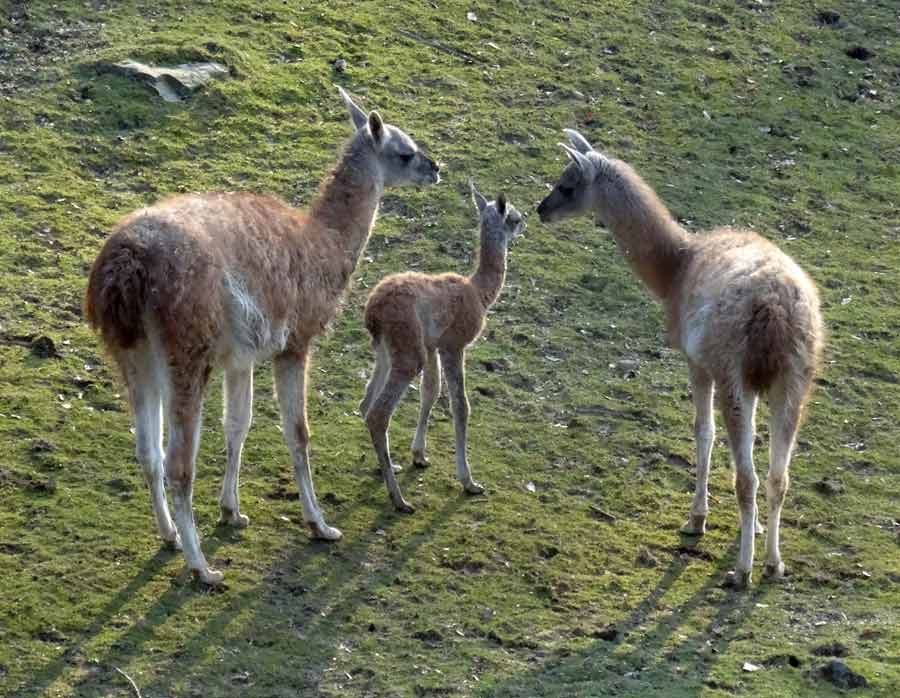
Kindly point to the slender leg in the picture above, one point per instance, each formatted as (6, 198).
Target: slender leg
(184, 409)
(704, 436)
(145, 395)
(738, 410)
(455, 370)
(379, 376)
(783, 425)
(431, 388)
(378, 419)
(290, 384)
(238, 414)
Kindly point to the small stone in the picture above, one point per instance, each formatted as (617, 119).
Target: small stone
(841, 675)
(828, 487)
(646, 559)
(832, 649)
(608, 633)
(43, 348)
(828, 18)
(340, 65)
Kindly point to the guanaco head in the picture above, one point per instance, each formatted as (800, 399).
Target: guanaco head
(397, 155)
(588, 183)
(499, 219)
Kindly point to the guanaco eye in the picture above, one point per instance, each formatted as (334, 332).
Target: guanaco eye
(567, 191)
(406, 158)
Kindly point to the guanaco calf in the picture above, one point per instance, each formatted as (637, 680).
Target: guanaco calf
(745, 315)
(420, 322)
(202, 281)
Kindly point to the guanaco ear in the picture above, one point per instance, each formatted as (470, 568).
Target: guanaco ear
(480, 201)
(501, 204)
(376, 127)
(578, 141)
(582, 161)
(357, 116)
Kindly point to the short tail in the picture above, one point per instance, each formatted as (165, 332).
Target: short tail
(770, 339)
(117, 293)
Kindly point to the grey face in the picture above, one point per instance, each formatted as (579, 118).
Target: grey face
(499, 218)
(570, 196)
(399, 158)
(402, 161)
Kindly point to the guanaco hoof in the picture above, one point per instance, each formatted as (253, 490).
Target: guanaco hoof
(473, 488)
(695, 526)
(209, 576)
(323, 531)
(774, 572)
(173, 543)
(420, 461)
(739, 581)
(227, 517)
(405, 507)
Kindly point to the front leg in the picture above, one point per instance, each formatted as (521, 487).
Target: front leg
(455, 371)
(704, 436)
(290, 384)
(238, 395)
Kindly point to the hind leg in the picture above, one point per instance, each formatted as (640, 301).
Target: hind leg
(739, 410)
(238, 414)
(785, 420)
(704, 436)
(431, 388)
(145, 396)
(404, 368)
(184, 409)
(379, 376)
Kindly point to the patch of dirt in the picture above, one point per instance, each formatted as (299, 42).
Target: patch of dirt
(30, 50)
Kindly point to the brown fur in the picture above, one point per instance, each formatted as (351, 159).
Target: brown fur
(746, 316)
(419, 321)
(211, 280)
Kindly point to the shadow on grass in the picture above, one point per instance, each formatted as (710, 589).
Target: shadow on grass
(642, 660)
(302, 598)
(43, 678)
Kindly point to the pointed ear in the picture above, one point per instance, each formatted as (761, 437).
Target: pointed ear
(582, 161)
(480, 201)
(376, 127)
(578, 141)
(357, 116)
(501, 204)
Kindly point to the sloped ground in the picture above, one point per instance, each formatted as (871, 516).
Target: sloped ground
(779, 116)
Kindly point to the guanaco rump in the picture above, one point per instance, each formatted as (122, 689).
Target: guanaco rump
(744, 314)
(216, 280)
(419, 322)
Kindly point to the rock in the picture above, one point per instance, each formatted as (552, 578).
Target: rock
(828, 18)
(828, 487)
(860, 53)
(608, 633)
(174, 84)
(339, 64)
(43, 348)
(841, 675)
(832, 649)
(646, 559)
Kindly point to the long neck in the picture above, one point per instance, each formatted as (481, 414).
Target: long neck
(348, 199)
(491, 271)
(652, 242)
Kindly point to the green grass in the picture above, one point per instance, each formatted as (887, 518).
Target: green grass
(510, 594)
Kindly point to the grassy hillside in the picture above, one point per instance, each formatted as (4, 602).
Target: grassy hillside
(569, 578)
